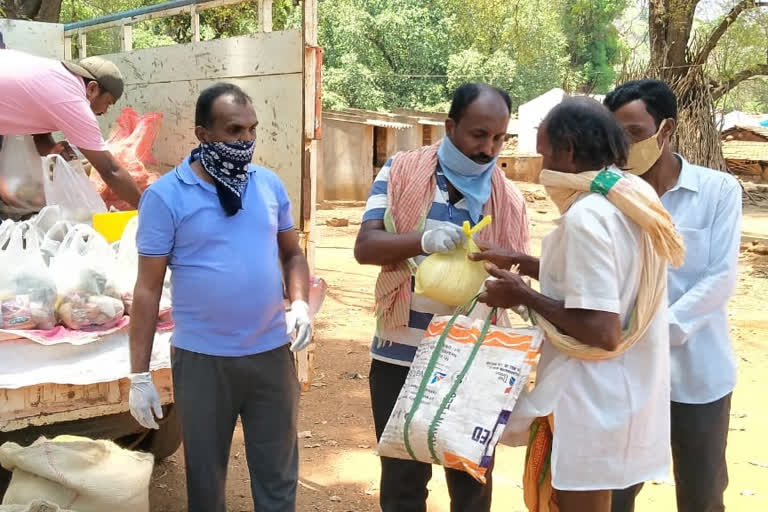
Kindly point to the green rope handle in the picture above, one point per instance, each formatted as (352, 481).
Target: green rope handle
(431, 433)
(467, 308)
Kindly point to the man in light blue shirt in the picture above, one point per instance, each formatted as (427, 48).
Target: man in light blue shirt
(224, 228)
(706, 207)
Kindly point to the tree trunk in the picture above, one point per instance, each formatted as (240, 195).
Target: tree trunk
(36, 10)
(697, 138)
(670, 25)
(50, 11)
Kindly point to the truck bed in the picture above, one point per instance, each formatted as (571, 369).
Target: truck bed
(46, 404)
(42, 385)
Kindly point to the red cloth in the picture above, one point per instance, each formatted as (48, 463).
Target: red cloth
(131, 144)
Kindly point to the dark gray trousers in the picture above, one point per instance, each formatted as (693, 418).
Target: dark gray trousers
(211, 392)
(699, 437)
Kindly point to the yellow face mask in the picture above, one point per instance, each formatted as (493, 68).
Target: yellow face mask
(643, 154)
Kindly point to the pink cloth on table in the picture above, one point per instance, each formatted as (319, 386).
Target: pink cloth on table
(39, 95)
(61, 334)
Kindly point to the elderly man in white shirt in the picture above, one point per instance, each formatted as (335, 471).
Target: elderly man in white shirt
(611, 417)
(706, 207)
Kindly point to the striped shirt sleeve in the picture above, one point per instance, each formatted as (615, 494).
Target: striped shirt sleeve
(377, 199)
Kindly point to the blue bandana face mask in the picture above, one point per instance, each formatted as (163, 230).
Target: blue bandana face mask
(470, 178)
(227, 163)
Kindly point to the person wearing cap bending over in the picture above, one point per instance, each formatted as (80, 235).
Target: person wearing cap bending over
(42, 95)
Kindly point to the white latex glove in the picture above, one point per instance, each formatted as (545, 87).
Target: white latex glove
(443, 239)
(297, 320)
(144, 401)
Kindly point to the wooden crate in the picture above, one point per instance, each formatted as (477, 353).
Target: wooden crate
(304, 363)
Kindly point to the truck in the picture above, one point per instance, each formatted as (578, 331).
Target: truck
(83, 389)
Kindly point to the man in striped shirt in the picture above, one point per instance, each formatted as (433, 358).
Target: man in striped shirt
(459, 181)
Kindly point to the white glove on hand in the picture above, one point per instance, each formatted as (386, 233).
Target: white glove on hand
(298, 321)
(443, 239)
(144, 401)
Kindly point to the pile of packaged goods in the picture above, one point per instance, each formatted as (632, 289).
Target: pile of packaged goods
(84, 267)
(27, 287)
(57, 272)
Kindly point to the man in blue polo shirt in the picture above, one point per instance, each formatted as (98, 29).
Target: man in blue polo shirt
(224, 227)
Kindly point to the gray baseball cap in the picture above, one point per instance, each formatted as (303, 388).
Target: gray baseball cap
(103, 71)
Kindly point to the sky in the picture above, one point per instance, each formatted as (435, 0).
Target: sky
(706, 10)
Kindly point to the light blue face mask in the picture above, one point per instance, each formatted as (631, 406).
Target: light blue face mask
(470, 178)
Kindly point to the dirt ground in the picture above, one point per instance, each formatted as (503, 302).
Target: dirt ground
(339, 469)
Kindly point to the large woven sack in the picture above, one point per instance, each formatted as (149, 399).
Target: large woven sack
(79, 474)
(35, 506)
(463, 383)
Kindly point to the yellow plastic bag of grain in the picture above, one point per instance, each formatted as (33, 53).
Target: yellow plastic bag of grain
(452, 278)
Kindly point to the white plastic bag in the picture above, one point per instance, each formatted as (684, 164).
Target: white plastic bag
(463, 383)
(84, 269)
(128, 269)
(53, 238)
(48, 217)
(21, 176)
(78, 473)
(67, 185)
(27, 287)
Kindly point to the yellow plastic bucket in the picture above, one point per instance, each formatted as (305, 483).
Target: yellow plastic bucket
(112, 224)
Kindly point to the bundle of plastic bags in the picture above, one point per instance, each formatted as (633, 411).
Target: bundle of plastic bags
(84, 269)
(464, 381)
(466, 276)
(131, 144)
(27, 287)
(78, 473)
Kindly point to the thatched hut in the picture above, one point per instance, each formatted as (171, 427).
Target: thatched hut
(745, 149)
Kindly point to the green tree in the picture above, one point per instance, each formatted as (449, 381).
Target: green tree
(593, 41)
(399, 49)
(40, 10)
(743, 46)
(681, 57)
(228, 21)
(412, 53)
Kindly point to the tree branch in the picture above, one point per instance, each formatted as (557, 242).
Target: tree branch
(379, 46)
(730, 18)
(725, 86)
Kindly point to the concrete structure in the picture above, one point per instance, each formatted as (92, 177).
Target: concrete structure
(43, 39)
(521, 166)
(357, 143)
